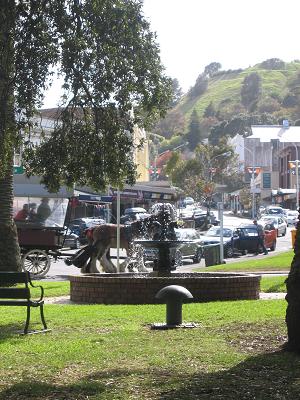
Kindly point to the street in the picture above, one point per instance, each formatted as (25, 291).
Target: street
(59, 270)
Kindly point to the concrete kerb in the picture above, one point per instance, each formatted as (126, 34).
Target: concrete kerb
(65, 300)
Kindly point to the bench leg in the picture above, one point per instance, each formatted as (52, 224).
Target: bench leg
(27, 320)
(42, 316)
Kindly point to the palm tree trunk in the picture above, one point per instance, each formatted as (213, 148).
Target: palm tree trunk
(9, 248)
(293, 298)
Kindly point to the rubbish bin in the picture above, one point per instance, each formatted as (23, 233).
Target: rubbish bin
(212, 254)
(293, 233)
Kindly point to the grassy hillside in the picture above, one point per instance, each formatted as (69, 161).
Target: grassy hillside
(224, 91)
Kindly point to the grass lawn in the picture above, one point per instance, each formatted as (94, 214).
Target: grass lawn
(52, 289)
(278, 262)
(110, 352)
(273, 284)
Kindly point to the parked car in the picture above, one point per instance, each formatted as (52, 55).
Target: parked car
(185, 213)
(246, 238)
(79, 226)
(292, 217)
(190, 249)
(201, 216)
(279, 224)
(133, 214)
(71, 239)
(275, 211)
(212, 236)
(188, 201)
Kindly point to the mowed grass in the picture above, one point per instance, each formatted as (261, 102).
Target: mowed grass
(51, 289)
(278, 262)
(110, 352)
(273, 284)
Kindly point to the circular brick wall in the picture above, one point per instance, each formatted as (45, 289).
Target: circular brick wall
(139, 288)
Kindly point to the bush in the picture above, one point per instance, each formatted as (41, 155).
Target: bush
(273, 63)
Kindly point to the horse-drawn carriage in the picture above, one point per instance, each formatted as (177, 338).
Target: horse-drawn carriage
(43, 229)
(41, 235)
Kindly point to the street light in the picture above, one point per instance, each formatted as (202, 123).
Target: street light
(226, 154)
(296, 161)
(252, 180)
(297, 175)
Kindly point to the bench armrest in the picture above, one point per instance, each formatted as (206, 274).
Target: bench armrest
(38, 286)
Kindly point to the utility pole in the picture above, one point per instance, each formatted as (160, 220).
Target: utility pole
(297, 184)
(297, 176)
(252, 180)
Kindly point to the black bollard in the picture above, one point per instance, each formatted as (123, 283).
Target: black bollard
(173, 295)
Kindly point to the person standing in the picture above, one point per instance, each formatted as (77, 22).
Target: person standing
(22, 214)
(261, 238)
(43, 210)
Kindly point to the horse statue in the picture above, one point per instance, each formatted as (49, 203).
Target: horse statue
(159, 225)
(103, 237)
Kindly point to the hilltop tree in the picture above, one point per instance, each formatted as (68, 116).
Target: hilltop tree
(251, 90)
(212, 68)
(110, 63)
(273, 63)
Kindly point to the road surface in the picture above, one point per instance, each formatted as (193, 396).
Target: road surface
(59, 270)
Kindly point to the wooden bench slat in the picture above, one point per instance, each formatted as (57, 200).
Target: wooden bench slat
(14, 293)
(14, 302)
(9, 277)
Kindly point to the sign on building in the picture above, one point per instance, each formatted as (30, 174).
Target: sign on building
(267, 180)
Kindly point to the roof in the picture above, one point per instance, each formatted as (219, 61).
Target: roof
(266, 133)
(283, 191)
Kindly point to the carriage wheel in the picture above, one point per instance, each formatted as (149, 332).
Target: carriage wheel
(37, 262)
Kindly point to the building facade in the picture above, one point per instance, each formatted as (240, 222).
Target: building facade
(269, 152)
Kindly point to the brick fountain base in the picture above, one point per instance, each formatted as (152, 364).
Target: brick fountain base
(141, 288)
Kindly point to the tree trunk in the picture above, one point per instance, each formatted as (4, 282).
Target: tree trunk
(293, 298)
(9, 248)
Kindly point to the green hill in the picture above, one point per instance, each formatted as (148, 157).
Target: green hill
(279, 94)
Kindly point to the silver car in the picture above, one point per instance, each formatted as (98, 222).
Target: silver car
(278, 222)
(292, 217)
(189, 249)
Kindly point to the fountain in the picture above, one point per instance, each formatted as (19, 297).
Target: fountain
(164, 239)
(141, 288)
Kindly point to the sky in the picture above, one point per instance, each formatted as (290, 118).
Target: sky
(236, 33)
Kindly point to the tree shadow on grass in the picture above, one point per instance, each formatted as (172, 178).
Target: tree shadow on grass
(16, 330)
(260, 377)
(11, 331)
(276, 288)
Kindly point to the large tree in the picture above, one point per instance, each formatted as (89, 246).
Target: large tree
(293, 298)
(251, 91)
(113, 79)
(211, 165)
(194, 134)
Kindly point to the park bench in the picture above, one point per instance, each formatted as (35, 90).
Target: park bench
(12, 295)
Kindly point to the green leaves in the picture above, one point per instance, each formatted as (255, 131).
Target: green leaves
(113, 79)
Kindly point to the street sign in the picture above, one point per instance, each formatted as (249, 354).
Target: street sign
(18, 170)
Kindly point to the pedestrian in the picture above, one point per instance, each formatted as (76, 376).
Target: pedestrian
(43, 210)
(22, 214)
(32, 212)
(260, 238)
